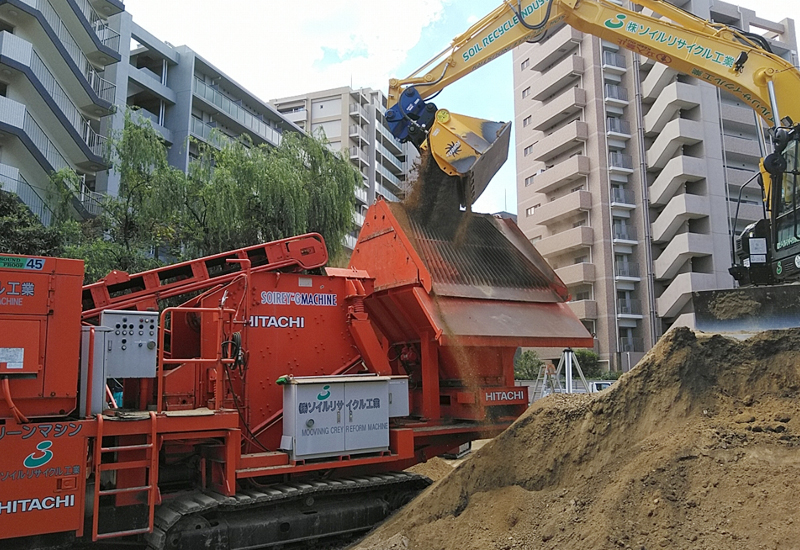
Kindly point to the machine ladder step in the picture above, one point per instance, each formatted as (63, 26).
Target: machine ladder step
(149, 465)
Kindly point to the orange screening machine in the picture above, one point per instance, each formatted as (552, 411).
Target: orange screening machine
(256, 398)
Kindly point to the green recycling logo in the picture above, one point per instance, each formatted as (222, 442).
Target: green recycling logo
(617, 22)
(322, 396)
(33, 461)
(778, 268)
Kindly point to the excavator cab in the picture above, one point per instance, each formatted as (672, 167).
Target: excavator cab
(472, 149)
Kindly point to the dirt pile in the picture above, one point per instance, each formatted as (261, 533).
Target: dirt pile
(434, 469)
(696, 448)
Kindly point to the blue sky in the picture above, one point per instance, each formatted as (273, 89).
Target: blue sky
(277, 48)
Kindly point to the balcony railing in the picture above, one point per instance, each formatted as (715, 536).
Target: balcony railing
(95, 141)
(622, 196)
(385, 193)
(627, 343)
(355, 108)
(29, 196)
(620, 160)
(102, 87)
(208, 133)
(361, 194)
(357, 131)
(90, 200)
(629, 307)
(358, 218)
(618, 126)
(616, 92)
(357, 153)
(624, 232)
(108, 36)
(626, 269)
(236, 112)
(388, 175)
(350, 241)
(389, 156)
(614, 59)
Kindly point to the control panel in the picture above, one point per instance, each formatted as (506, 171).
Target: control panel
(131, 350)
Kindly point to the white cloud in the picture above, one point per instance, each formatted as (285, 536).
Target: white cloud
(278, 48)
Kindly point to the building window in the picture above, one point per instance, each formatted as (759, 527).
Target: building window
(581, 260)
(578, 188)
(536, 239)
(528, 150)
(527, 120)
(526, 92)
(528, 181)
(524, 64)
(579, 223)
(585, 295)
(529, 211)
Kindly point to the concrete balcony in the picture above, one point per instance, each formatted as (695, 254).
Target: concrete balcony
(679, 292)
(629, 309)
(576, 274)
(566, 241)
(680, 249)
(561, 141)
(655, 82)
(676, 213)
(579, 201)
(562, 174)
(675, 97)
(556, 47)
(627, 272)
(614, 63)
(676, 134)
(623, 199)
(739, 116)
(559, 109)
(745, 149)
(620, 163)
(584, 309)
(677, 171)
(615, 95)
(740, 177)
(559, 77)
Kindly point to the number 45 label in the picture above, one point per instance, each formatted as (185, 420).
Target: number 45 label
(33, 264)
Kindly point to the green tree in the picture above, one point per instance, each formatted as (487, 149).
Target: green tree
(589, 362)
(242, 194)
(527, 366)
(21, 232)
(233, 197)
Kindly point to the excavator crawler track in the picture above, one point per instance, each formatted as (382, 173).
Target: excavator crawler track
(281, 515)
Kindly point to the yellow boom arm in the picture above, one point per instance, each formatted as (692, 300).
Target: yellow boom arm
(715, 53)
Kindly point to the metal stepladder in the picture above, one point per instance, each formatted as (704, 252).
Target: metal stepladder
(149, 464)
(551, 375)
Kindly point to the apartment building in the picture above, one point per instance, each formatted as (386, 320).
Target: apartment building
(184, 96)
(628, 175)
(54, 96)
(353, 121)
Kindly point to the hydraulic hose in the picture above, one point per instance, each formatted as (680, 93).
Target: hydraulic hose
(18, 416)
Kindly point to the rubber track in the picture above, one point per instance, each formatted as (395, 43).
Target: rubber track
(199, 502)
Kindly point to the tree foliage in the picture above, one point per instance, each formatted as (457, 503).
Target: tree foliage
(241, 194)
(233, 197)
(527, 365)
(21, 232)
(589, 362)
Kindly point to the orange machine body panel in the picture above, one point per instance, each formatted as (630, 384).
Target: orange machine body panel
(40, 318)
(42, 477)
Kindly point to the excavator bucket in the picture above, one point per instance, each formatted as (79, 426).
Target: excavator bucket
(471, 148)
(742, 312)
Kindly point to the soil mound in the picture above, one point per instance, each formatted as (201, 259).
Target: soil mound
(696, 448)
(434, 469)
